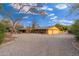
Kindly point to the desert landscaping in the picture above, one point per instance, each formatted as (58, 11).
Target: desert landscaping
(39, 29)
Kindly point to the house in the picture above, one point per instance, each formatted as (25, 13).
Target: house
(48, 30)
(24, 30)
(53, 30)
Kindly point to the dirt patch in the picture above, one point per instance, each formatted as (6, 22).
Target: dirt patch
(77, 44)
(8, 37)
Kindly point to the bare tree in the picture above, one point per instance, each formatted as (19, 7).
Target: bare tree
(21, 9)
(73, 7)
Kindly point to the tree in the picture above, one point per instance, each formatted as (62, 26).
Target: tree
(61, 27)
(21, 10)
(19, 26)
(7, 24)
(73, 8)
(74, 29)
(34, 25)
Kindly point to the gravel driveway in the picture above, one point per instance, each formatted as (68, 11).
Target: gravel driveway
(40, 45)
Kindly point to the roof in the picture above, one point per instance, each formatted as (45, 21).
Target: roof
(50, 27)
(53, 27)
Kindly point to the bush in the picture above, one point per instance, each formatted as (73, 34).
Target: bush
(74, 29)
(2, 32)
(32, 31)
(77, 37)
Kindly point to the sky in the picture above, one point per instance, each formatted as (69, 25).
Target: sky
(56, 13)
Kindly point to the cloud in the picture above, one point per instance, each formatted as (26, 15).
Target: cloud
(61, 6)
(66, 22)
(32, 13)
(46, 8)
(50, 9)
(55, 20)
(55, 17)
(16, 6)
(51, 14)
(25, 17)
(63, 22)
(25, 9)
(33, 4)
(28, 22)
(23, 6)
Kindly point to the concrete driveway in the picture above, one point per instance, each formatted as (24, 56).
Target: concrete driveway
(40, 45)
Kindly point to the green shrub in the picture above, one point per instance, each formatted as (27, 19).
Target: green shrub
(74, 29)
(2, 32)
(32, 31)
(77, 37)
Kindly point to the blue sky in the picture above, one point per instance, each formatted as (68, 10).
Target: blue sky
(56, 13)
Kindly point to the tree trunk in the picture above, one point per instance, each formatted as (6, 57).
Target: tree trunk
(14, 29)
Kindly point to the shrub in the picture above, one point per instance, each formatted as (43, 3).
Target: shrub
(77, 37)
(32, 31)
(2, 32)
(61, 27)
(74, 29)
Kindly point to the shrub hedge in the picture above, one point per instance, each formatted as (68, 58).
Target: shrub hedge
(74, 29)
(2, 32)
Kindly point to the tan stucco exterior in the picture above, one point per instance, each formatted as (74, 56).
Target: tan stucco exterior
(53, 30)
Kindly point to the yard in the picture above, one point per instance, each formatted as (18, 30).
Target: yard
(40, 45)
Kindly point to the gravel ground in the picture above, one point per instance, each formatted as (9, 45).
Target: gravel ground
(40, 45)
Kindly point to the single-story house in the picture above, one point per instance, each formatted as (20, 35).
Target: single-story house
(53, 30)
(48, 30)
(24, 30)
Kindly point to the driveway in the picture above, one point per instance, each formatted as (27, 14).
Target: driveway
(40, 45)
